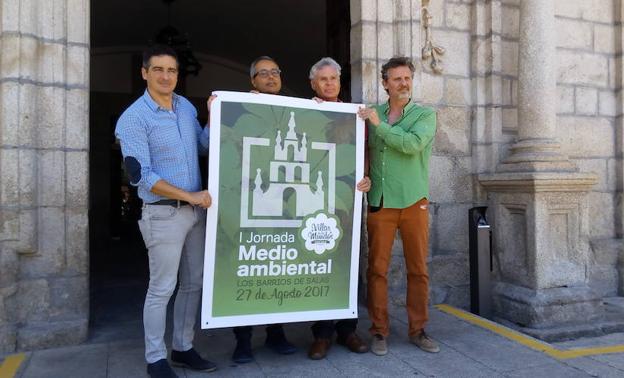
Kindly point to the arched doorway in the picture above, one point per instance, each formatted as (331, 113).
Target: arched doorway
(225, 37)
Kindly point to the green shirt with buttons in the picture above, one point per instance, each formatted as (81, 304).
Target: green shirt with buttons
(399, 156)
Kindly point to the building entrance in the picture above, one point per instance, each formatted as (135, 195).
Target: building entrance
(217, 41)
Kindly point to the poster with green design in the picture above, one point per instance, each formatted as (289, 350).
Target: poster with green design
(283, 231)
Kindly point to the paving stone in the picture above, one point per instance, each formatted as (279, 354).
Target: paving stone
(73, 362)
(551, 370)
(492, 350)
(466, 351)
(594, 368)
(448, 363)
(126, 359)
(301, 366)
(615, 360)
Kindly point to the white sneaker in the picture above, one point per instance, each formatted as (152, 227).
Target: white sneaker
(379, 346)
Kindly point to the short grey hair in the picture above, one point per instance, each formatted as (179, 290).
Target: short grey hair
(324, 62)
(252, 68)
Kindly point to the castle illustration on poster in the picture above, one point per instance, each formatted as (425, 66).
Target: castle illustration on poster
(289, 169)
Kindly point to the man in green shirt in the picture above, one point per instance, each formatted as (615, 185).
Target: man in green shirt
(400, 139)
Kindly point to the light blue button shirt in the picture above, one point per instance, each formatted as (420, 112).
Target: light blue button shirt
(165, 143)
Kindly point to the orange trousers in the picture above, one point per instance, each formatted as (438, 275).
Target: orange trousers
(413, 223)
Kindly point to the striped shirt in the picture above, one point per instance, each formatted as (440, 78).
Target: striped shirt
(161, 144)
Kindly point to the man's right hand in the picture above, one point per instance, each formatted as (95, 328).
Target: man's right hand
(370, 115)
(201, 199)
(210, 100)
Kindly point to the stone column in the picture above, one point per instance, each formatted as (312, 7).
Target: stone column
(537, 204)
(44, 141)
(537, 149)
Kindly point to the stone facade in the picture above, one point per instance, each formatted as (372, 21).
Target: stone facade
(477, 98)
(482, 123)
(44, 91)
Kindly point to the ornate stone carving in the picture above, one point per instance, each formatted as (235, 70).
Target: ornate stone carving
(430, 50)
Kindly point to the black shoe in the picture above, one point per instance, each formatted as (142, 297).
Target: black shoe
(192, 360)
(160, 369)
(242, 353)
(279, 344)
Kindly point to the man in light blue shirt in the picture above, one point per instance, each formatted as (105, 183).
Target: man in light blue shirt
(160, 140)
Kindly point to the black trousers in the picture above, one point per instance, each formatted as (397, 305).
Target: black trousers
(324, 329)
(273, 330)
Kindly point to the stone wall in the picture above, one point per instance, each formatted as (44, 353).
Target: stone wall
(385, 28)
(476, 100)
(589, 82)
(43, 165)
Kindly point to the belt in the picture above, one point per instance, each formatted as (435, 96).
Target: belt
(170, 202)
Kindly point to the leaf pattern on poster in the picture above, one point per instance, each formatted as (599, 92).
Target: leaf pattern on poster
(344, 195)
(345, 152)
(231, 287)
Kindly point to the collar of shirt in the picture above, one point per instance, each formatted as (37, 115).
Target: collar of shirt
(154, 106)
(407, 107)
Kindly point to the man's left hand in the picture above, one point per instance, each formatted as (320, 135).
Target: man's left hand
(201, 199)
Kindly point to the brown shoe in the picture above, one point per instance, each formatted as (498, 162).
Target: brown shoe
(424, 342)
(318, 349)
(354, 343)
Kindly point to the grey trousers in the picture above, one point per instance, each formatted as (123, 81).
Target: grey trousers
(175, 241)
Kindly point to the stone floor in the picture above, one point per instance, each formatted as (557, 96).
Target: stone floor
(468, 350)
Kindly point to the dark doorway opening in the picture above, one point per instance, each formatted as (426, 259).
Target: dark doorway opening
(224, 36)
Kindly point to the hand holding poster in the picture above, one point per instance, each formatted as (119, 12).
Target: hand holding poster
(283, 233)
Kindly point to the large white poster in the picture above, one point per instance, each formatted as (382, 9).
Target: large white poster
(283, 233)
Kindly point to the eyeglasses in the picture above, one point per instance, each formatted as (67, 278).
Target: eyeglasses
(266, 73)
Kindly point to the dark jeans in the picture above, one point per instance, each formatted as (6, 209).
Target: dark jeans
(324, 329)
(273, 330)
